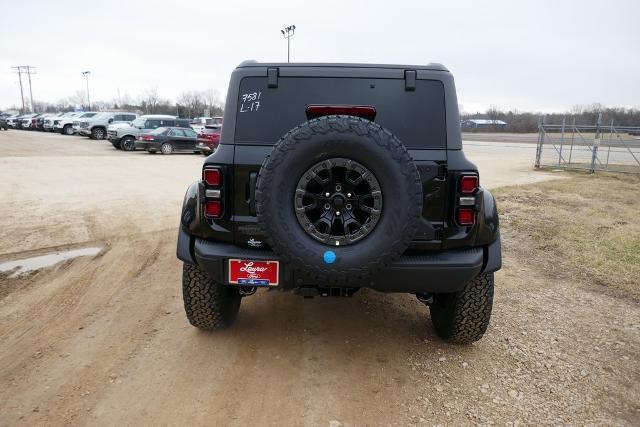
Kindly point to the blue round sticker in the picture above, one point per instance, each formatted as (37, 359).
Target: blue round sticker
(329, 257)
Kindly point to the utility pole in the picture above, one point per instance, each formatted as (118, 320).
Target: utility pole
(19, 71)
(86, 75)
(29, 68)
(287, 33)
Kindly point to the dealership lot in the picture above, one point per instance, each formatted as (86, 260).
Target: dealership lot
(105, 340)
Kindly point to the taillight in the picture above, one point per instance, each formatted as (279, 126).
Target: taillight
(212, 176)
(468, 184)
(365, 111)
(145, 138)
(466, 216)
(213, 209)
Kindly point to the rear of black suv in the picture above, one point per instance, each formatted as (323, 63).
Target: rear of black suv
(333, 177)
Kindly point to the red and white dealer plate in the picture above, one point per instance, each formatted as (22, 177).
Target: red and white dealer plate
(248, 272)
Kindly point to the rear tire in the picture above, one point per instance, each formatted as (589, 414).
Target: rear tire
(209, 305)
(463, 317)
(127, 144)
(67, 130)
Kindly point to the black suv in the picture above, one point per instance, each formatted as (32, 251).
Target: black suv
(333, 177)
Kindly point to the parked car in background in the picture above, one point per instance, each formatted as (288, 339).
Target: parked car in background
(47, 124)
(123, 135)
(199, 123)
(76, 122)
(95, 127)
(208, 139)
(25, 120)
(39, 121)
(168, 140)
(64, 123)
(17, 122)
(34, 121)
(3, 123)
(11, 120)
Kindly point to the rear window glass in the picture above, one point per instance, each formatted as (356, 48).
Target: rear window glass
(211, 130)
(417, 117)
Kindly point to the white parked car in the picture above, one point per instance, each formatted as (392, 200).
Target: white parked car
(76, 121)
(96, 126)
(48, 124)
(199, 123)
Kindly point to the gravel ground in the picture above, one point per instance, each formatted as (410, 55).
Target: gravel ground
(104, 340)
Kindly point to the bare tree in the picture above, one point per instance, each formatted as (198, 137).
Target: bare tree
(150, 100)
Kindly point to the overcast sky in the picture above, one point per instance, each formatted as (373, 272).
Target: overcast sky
(530, 55)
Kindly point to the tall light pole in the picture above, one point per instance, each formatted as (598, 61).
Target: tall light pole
(86, 75)
(287, 33)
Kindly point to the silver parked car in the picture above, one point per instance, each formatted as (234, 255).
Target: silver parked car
(96, 127)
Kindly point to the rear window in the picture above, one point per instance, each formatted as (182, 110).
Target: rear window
(211, 130)
(417, 117)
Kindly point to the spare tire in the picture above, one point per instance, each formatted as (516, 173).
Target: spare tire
(339, 198)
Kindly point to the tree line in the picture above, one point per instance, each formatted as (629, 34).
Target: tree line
(518, 121)
(188, 104)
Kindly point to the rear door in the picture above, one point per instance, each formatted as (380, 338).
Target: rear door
(416, 117)
(190, 139)
(178, 139)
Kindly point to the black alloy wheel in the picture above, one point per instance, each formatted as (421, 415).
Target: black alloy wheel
(338, 201)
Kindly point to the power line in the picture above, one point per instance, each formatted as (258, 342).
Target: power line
(19, 73)
(29, 70)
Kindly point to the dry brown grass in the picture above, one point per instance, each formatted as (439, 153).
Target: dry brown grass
(585, 226)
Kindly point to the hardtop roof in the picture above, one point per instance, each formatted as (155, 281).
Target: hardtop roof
(430, 66)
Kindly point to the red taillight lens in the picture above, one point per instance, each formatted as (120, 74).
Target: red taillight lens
(145, 137)
(468, 184)
(466, 216)
(365, 111)
(213, 209)
(212, 177)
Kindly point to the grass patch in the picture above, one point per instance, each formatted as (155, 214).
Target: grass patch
(585, 226)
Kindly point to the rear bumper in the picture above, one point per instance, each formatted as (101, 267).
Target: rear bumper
(445, 271)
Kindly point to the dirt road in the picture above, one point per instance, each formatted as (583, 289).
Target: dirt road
(105, 340)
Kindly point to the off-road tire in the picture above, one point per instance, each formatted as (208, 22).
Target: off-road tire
(98, 133)
(127, 143)
(67, 130)
(362, 141)
(463, 317)
(209, 305)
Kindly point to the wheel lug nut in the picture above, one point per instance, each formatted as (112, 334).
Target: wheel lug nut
(326, 194)
(338, 187)
(338, 213)
(327, 206)
(348, 194)
(348, 206)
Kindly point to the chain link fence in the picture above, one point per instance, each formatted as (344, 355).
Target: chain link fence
(588, 147)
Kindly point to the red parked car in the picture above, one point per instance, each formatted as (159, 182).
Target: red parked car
(209, 139)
